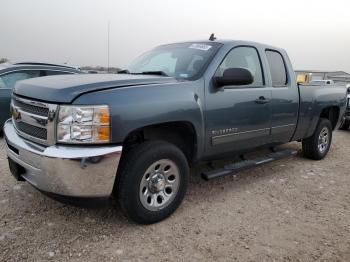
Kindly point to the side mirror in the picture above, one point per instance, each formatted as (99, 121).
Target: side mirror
(234, 77)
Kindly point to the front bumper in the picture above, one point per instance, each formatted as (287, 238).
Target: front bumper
(72, 171)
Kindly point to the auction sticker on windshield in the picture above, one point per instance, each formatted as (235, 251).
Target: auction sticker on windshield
(203, 47)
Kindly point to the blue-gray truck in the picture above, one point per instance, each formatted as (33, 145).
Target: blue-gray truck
(133, 136)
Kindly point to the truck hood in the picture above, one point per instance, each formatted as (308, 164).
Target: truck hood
(65, 88)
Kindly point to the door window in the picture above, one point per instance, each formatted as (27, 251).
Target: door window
(10, 79)
(244, 57)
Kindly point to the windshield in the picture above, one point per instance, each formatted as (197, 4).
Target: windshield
(183, 60)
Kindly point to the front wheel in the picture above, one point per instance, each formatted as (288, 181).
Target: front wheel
(317, 146)
(152, 181)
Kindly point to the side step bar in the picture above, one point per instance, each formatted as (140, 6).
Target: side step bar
(247, 164)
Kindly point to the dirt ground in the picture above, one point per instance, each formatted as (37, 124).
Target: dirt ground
(290, 210)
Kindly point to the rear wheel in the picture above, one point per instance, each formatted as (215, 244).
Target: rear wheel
(317, 146)
(152, 181)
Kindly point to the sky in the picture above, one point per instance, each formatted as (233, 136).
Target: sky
(316, 34)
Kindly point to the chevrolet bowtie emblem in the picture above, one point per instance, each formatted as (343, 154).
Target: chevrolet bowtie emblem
(16, 114)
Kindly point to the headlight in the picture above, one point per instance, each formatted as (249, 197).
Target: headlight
(83, 124)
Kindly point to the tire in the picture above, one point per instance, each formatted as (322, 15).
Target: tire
(147, 193)
(316, 147)
(344, 125)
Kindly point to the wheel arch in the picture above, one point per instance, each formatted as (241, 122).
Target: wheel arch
(180, 133)
(332, 114)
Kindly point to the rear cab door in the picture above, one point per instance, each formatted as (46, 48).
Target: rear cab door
(285, 95)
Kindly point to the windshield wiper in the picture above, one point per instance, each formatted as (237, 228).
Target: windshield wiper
(160, 73)
(126, 71)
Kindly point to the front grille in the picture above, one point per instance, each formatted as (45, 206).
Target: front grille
(36, 110)
(34, 120)
(33, 131)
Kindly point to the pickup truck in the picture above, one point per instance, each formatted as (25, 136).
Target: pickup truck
(134, 135)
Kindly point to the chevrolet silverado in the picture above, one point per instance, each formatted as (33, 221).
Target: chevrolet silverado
(134, 135)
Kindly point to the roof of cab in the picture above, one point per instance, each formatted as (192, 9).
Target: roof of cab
(234, 42)
(243, 42)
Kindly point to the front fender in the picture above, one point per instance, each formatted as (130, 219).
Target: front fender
(134, 107)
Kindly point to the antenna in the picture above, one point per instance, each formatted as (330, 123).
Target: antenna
(108, 47)
(212, 37)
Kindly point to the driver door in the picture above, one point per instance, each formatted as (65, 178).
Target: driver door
(238, 117)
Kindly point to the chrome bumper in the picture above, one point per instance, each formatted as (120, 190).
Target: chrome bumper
(73, 171)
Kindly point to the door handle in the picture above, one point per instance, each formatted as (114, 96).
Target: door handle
(262, 100)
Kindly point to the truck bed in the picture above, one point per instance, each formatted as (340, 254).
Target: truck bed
(313, 98)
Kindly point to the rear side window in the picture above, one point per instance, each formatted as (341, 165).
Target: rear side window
(277, 68)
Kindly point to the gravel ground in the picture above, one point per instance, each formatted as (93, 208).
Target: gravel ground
(291, 210)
